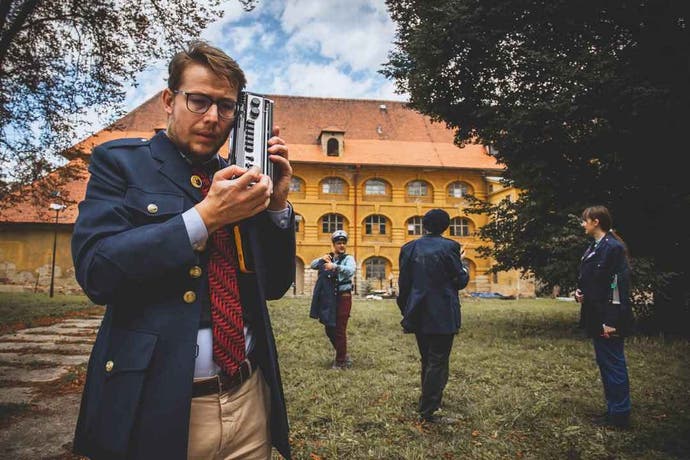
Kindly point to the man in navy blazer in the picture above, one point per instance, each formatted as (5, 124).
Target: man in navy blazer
(431, 274)
(140, 247)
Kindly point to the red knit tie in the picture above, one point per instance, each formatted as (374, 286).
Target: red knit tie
(226, 309)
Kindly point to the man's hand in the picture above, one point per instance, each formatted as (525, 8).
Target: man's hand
(231, 200)
(607, 331)
(327, 258)
(330, 266)
(278, 154)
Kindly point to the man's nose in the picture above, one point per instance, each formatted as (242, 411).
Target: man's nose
(212, 113)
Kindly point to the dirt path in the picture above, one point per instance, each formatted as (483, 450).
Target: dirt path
(41, 377)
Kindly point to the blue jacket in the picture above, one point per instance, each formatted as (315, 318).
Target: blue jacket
(599, 268)
(324, 300)
(136, 259)
(431, 274)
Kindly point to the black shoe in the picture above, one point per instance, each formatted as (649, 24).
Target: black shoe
(620, 420)
(437, 419)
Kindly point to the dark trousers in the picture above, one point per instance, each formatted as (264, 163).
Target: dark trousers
(435, 352)
(614, 374)
(338, 334)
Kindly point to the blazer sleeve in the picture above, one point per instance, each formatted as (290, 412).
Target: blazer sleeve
(405, 276)
(618, 266)
(278, 253)
(459, 273)
(111, 255)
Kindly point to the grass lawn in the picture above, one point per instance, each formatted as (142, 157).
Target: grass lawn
(523, 383)
(20, 310)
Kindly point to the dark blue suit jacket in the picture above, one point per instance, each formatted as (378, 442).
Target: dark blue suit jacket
(597, 271)
(137, 263)
(431, 274)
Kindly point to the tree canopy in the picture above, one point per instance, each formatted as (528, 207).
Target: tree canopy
(60, 59)
(584, 102)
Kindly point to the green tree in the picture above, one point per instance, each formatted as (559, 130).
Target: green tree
(584, 103)
(61, 58)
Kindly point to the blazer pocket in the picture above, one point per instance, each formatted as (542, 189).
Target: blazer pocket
(151, 207)
(125, 365)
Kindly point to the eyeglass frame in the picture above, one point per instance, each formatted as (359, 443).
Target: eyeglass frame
(212, 100)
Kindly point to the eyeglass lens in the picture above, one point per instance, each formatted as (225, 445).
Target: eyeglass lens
(200, 103)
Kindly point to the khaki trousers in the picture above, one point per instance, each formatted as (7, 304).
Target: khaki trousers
(232, 425)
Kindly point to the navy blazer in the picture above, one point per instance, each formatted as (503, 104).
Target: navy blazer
(596, 275)
(136, 259)
(431, 274)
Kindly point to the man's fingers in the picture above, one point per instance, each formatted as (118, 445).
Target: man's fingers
(276, 130)
(252, 175)
(229, 172)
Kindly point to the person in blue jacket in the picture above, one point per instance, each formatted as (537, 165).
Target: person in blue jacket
(146, 244)
(332, 298)
(431, 274)
(603, 290)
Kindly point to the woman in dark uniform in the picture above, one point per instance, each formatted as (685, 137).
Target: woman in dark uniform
(603, 291)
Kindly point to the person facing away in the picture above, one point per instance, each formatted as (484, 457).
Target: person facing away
(184, 364)
(603, 290)
(332, 296)
(431, 274)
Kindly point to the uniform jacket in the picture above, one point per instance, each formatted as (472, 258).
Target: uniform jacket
(137, 260)
(597, 270)
(431, 274)
(324, 300)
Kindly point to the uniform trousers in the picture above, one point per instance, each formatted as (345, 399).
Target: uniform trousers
(614, 374)
(338, 334)
(232, 424)
(435, 351)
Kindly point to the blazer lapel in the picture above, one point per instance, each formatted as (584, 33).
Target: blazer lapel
(173, 165)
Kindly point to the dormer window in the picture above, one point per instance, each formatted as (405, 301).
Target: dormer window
(332, 141)
(333, 147)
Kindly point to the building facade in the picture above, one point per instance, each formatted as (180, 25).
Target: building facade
(371, 168)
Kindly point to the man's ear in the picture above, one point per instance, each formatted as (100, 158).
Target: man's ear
(168, 100)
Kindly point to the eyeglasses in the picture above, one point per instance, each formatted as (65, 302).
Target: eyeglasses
(200, 103)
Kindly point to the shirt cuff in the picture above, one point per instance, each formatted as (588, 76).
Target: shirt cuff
(196, 229)
(281, 218)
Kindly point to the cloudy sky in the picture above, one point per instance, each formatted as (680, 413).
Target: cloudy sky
(322, 48)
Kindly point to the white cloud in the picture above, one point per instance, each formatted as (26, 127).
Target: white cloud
(308, 79)
(299, 47)
(358, 33)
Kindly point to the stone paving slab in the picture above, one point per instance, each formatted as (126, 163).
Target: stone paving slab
(57, 360)
(57, 329)
(31, 376)
(72, 348)
(16, 395)
(21, 337)
(86, 322)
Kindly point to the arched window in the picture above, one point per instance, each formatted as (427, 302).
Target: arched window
(331, 222)
(418, 188)
(375, 187)
(414, 225)
(459, 226)
(375, 225)
(332, 147)
(333, 186)
(458, 189)
(375, 268)
(296, 184)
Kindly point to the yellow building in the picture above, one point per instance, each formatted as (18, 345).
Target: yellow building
(371, 168)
